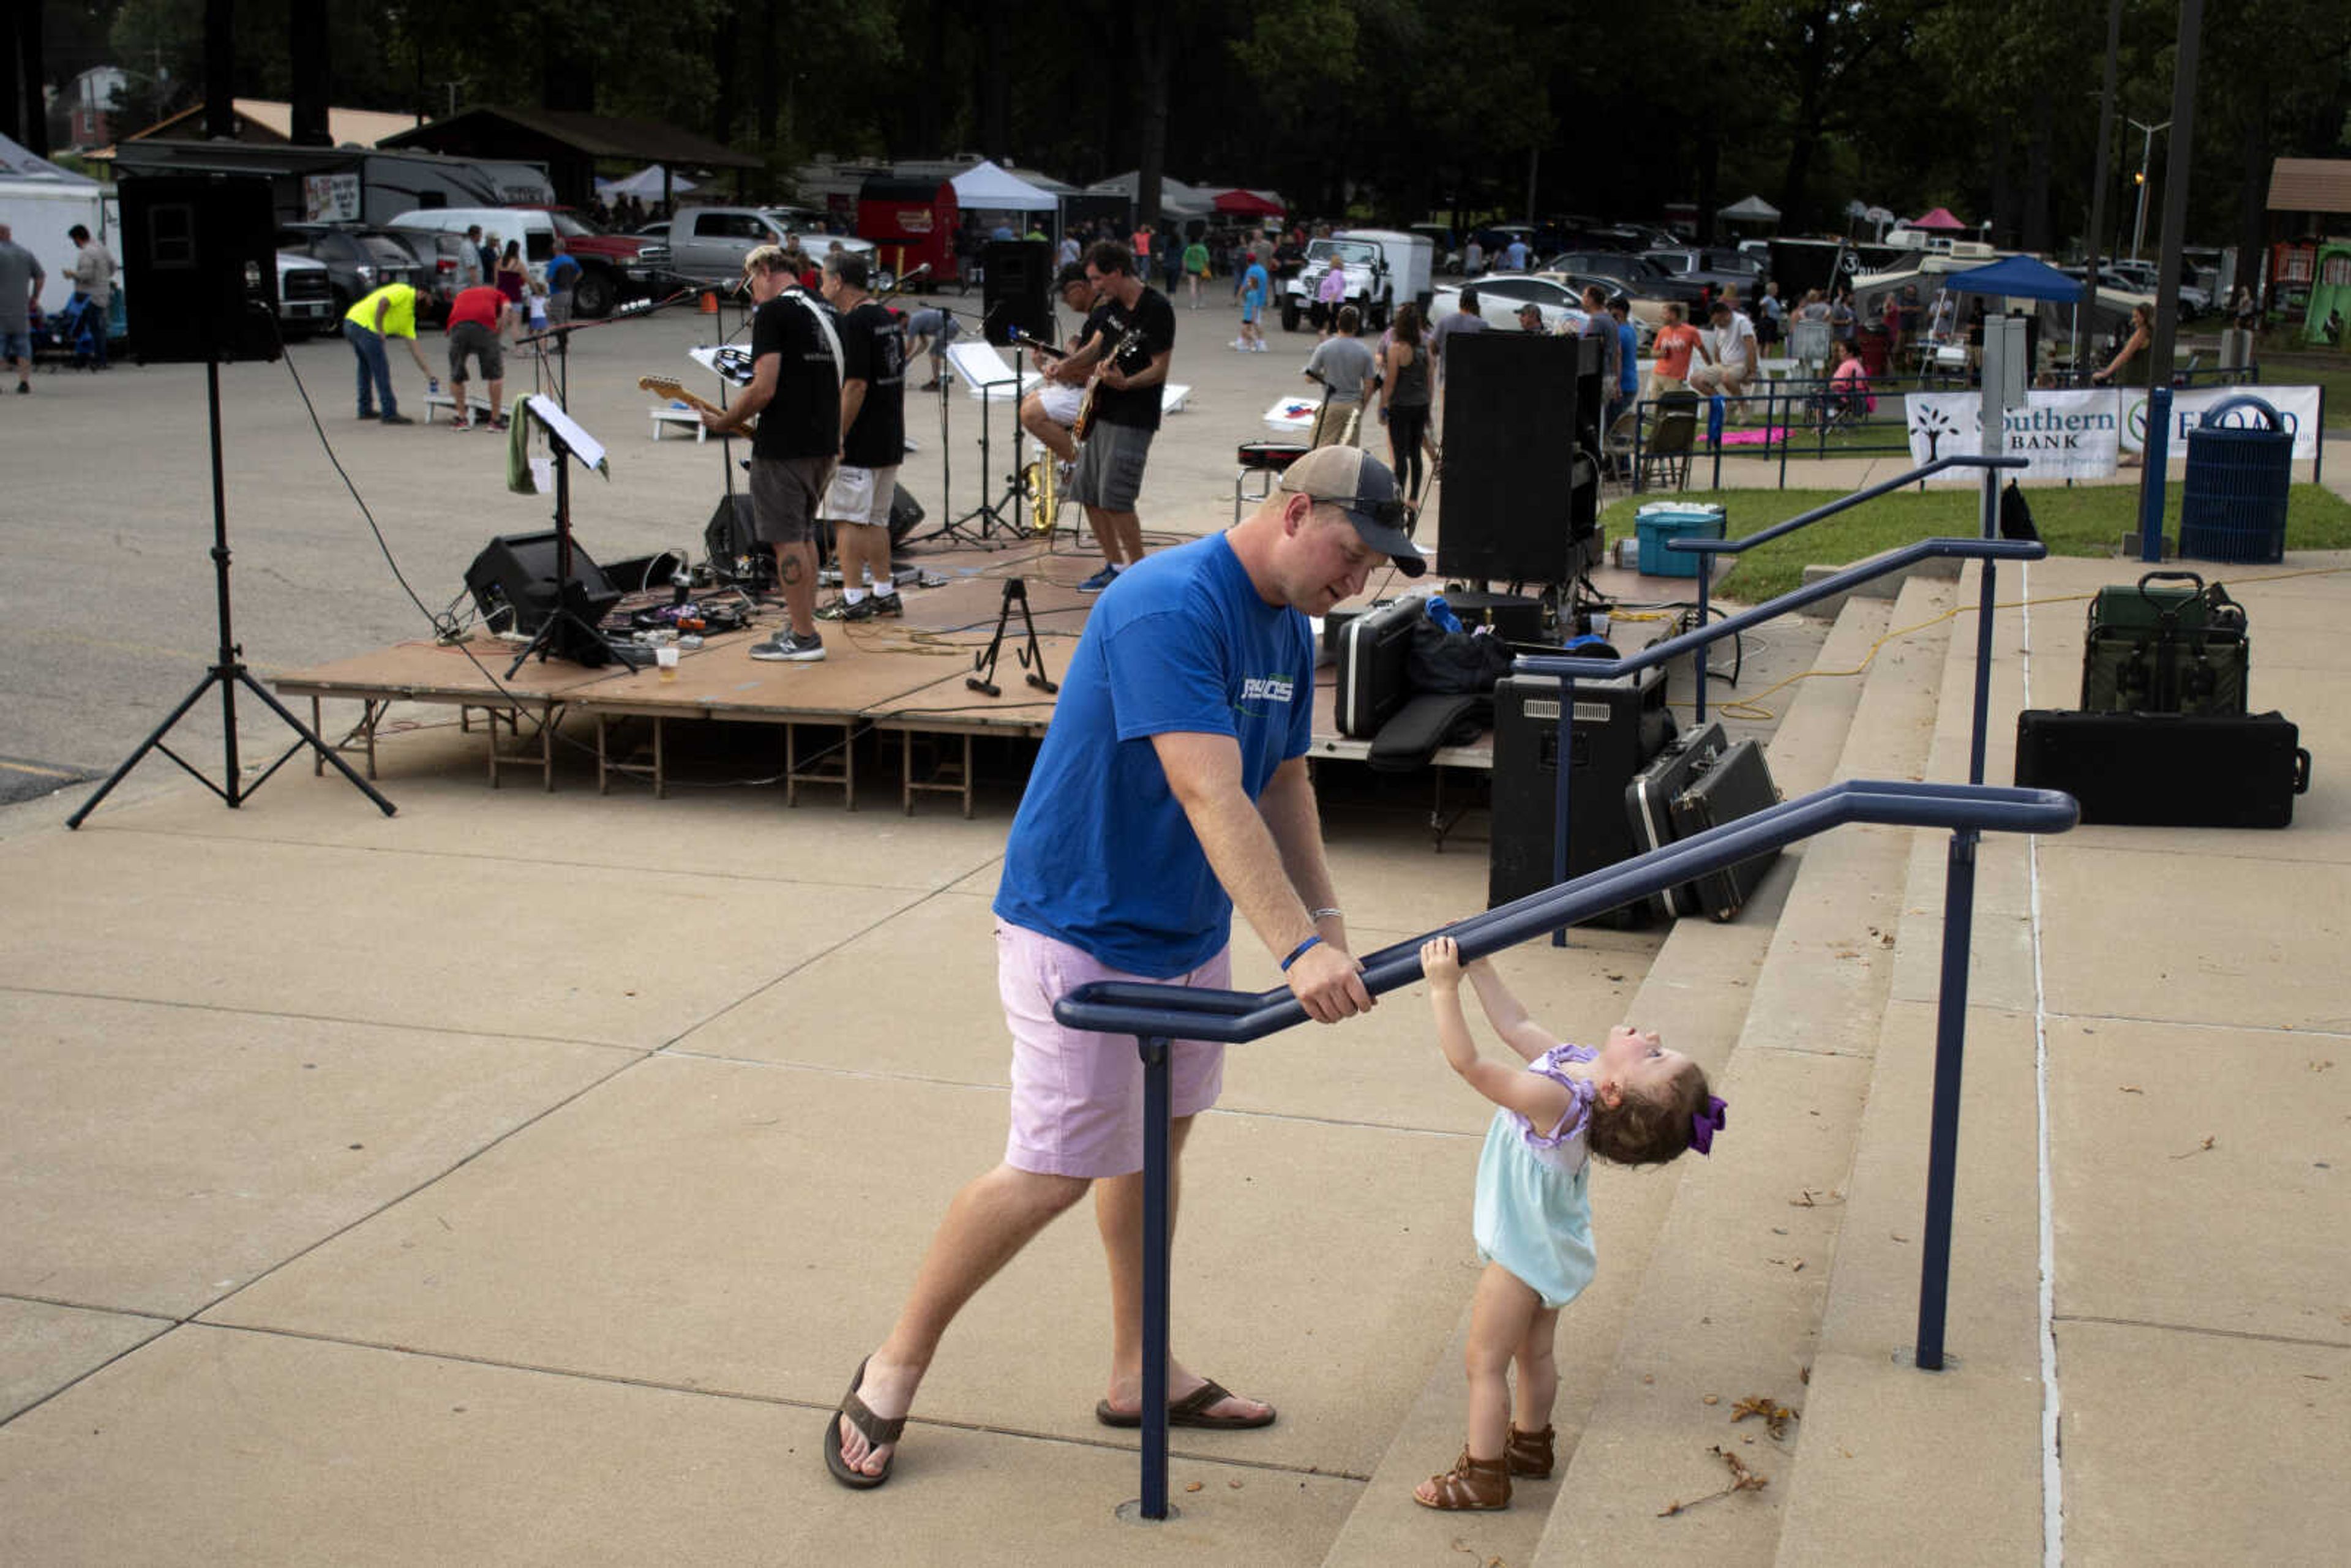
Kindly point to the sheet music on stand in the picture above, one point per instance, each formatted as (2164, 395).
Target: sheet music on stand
(980, 367)
(730, 362)
(567, 430)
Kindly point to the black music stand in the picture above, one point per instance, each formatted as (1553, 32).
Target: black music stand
(990, 510)
(563, 632)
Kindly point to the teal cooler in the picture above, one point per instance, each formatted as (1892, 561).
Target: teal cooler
(1662, 520)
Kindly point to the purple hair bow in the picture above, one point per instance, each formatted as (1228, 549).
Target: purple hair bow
(1706, 1123)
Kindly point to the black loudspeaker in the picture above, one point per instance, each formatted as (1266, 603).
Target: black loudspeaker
(1016, 289)
(1521, 457)
(1620, 725)
(513, 584)
(200, 267)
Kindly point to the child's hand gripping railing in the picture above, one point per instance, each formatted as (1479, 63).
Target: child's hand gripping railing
(1158, 1015)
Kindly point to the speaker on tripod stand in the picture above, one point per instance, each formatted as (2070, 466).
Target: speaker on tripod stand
(1521, 457)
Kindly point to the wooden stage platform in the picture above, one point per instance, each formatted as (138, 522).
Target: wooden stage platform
(901, 678)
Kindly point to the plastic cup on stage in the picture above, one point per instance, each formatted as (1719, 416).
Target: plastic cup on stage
(665, 659)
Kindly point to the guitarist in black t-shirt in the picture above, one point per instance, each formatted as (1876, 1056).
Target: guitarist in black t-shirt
(1132, 337)
(795, 394)
(872, 442)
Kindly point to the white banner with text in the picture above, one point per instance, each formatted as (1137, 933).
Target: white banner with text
(2297, 411)
(2061, 435)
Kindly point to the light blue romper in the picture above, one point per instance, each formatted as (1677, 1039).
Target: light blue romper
(1532, 1215)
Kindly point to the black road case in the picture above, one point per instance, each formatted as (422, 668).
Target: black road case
(2166, 769)
(1702, 783)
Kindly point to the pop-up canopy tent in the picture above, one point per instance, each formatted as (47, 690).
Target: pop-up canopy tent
(646, 183)
(1248, 204)
(1942, 221)
(2016, 278)
(990, 187)
(1752, 210)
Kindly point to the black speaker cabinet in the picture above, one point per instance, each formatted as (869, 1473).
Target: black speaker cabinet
(1521, 497)
(200, 267)
(513, 583)
(1619, 726)
(1016, 289)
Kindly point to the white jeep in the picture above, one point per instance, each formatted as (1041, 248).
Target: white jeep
(1383, 268)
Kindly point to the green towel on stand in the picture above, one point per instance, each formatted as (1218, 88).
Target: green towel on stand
(519, 477)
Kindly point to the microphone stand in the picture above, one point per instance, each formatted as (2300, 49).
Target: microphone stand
(561, 336)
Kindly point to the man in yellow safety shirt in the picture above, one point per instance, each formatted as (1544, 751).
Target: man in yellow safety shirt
(389, 312)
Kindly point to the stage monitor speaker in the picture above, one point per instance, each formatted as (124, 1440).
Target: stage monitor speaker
(200, 267)
(1620, 725)
(1018, 290)
(513, 583)
(1521, 496)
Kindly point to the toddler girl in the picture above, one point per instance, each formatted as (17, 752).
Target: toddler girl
(1631, 1101)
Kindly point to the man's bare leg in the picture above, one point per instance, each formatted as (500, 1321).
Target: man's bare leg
(1127, 529)
(464, 411)
(864, 556)
(1118, 1214)
(796, 574)
(986, 1225)
(498, 399)
(1051, 432)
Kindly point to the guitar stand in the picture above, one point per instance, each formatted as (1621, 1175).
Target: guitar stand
(1032, 655)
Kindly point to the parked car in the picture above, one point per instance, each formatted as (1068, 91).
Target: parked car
(1641, 278)
(305, 298)
(612, 266)
(1709, 269)
(707, 245)
(1500, 297)
(357, 260)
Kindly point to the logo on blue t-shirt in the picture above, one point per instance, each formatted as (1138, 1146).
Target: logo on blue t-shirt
(1265, 690)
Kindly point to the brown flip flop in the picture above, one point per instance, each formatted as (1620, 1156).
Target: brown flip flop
(876, 1431)
(1192, 1410)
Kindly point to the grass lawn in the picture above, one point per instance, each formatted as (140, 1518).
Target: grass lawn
(2317, 368)
(2087, 521)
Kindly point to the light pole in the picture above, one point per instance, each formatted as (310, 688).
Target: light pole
(2145, 158)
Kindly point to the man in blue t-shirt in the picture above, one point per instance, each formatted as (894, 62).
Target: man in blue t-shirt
(562, 277)
(1170, 789)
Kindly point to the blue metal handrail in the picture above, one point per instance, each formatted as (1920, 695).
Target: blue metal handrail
(1569, 669)
(1708, 549)
(1158, 1015)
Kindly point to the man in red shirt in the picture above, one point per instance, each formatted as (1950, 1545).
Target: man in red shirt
(1675, 342)
(478, 317)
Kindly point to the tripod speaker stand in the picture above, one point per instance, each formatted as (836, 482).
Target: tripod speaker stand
(184, 263)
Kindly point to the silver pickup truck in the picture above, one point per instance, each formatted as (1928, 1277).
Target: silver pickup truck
(707, 245)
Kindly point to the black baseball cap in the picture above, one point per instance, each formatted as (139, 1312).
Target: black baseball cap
(1360, 484)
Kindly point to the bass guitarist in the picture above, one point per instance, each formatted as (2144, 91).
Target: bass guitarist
(1131, 337)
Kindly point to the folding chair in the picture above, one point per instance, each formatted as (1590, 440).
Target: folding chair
(1673, 435)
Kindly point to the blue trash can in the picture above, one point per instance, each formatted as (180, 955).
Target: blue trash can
(2232, 506)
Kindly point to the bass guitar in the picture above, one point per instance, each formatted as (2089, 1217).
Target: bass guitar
(662, 387)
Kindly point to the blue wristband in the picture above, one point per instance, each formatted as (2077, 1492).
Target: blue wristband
(1299, 951)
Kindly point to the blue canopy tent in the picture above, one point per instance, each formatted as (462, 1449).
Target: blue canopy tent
(2028, 277)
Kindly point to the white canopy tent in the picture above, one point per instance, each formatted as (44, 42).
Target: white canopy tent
(1176, 198)
(990, 187)
(1752, 210)
(645, 184)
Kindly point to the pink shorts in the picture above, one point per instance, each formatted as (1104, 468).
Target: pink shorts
(1077, 1097)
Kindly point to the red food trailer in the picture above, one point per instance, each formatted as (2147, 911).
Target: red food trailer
(911, 223)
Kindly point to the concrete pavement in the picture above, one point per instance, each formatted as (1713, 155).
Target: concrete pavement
(519, 1179)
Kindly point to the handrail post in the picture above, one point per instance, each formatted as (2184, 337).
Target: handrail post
(1986, 596)
(1639, 419)
(1157, 1243)
(1698, 658)
(1943, 1132)
(1559, 795)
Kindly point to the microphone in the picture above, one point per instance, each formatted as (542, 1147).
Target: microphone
(907, 277)
(635, 306)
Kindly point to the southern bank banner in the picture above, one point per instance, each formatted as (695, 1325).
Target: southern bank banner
(2061, 435)
(2297, 411)
(2079, 435)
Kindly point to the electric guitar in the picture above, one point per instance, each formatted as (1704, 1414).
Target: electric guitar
(1085, 419)
(1021, 340)
(662, 387)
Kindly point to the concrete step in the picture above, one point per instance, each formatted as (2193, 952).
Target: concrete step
(1892, 1457)
(1697, 993)
(1729, 1302)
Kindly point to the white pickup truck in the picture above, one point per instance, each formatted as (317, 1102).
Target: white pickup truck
(1383, 267)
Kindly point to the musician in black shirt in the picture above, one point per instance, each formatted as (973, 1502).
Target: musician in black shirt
(1131, 336)
(872, 442)
(795, 394)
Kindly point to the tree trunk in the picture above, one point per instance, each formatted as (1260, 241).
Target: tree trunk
(771, 75)
(2037, 157)
(2253, 192)
(995, 94)
(1154, 48)
(307, 51)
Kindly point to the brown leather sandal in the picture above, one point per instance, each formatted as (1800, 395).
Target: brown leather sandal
(1528, 1453)
(1470, 1486)
(877, 1431)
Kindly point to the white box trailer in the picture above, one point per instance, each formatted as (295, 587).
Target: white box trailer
(40, 211)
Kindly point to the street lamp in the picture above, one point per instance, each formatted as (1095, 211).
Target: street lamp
(2146, 157)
